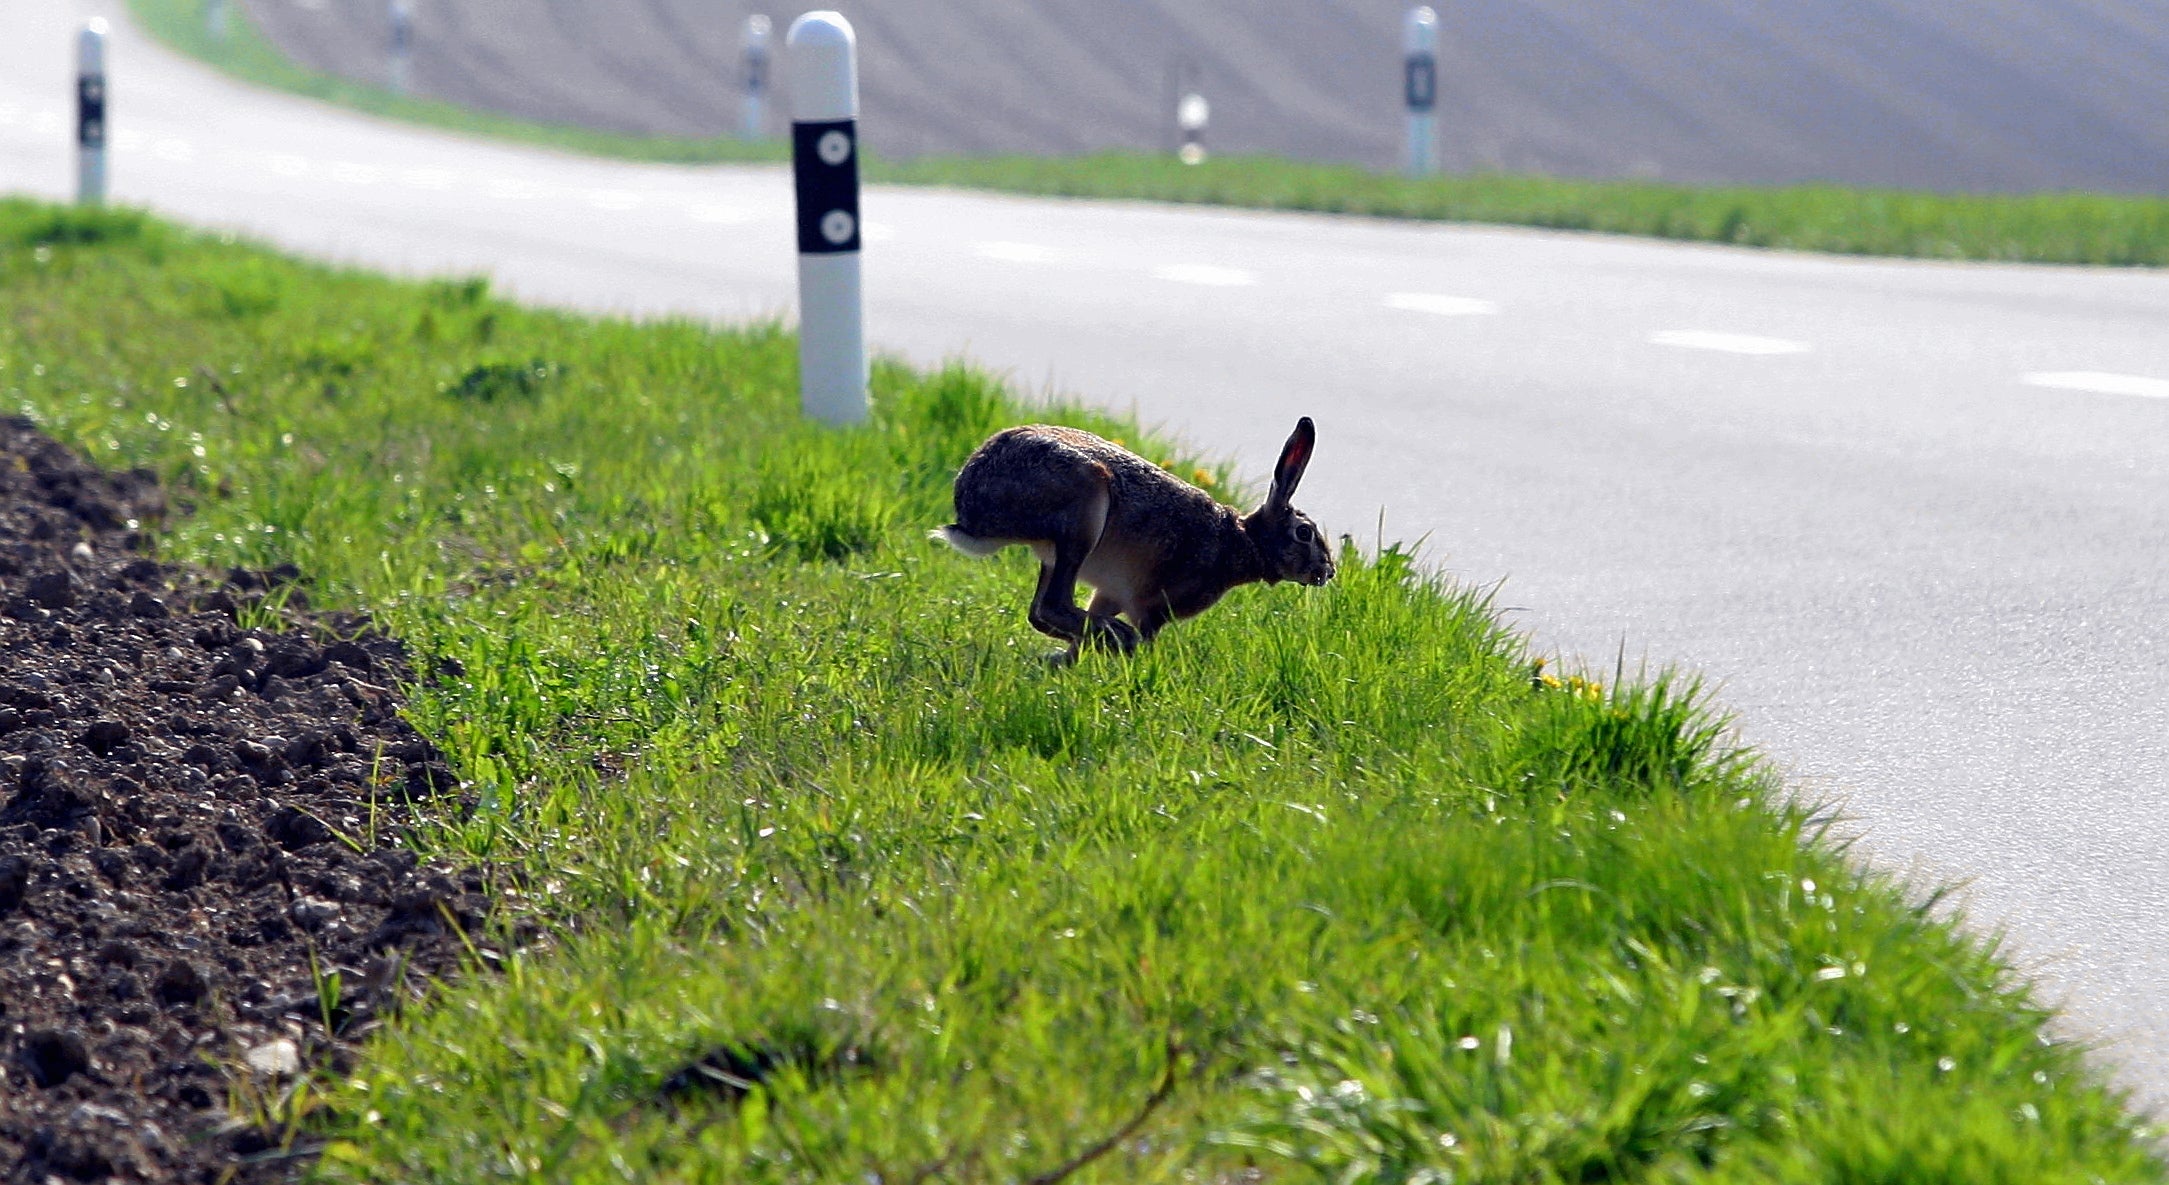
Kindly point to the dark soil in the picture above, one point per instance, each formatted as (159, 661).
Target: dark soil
(199, 827)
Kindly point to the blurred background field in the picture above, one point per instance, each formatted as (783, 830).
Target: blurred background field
(2029, 95)
(1879, 129)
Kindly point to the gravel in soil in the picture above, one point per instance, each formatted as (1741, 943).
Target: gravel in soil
(199, 829)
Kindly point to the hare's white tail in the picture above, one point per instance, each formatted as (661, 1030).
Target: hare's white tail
(971, 545)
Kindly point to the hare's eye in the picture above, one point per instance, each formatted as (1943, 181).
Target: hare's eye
(1302, 532)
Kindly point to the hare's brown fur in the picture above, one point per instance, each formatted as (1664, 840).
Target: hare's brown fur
(1153, 548)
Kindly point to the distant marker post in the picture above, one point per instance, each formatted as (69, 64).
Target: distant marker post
(1419, 85)
(214, 19)
(90, 114)
(755, 40)
(1192, 113)
(401, 15)
(821, 54)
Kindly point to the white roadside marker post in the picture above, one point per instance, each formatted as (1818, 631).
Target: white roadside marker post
(90, 96)
(401, 15)
(214, 19)
(755, 40)
(822, 56)
(1191, 116)
(1420, 87)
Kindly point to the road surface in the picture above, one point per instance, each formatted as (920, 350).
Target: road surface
(1910, 519)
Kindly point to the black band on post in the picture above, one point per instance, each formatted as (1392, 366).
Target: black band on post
(1422, 82)
(90, 110)
(825, 165)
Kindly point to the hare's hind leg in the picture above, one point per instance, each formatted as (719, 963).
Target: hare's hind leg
(1054, 609)
(1054, 605)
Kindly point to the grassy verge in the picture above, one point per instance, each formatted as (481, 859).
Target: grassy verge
(2073, 228)
(852, 885)
(2042, 228)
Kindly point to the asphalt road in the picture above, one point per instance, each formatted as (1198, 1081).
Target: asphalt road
(1993, 94)
(1908, 518)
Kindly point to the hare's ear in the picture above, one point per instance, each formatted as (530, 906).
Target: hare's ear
(1294, 457)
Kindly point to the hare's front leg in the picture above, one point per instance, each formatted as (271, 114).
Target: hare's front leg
(1158, 612)
(1103, 614)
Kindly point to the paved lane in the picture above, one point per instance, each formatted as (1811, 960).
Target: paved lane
(1909, 518)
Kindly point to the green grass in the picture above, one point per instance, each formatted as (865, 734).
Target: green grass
(1322, 887)
(2036, 228)
(2072, 228)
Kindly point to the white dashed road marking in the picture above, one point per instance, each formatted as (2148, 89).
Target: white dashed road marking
(348, 172)
(1210, 275)
(2100, 382)
(1443, 306)
(507, 189)
(718, 214)
(1016, 252)
(1727, 343)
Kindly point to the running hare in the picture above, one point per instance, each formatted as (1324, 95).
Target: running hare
(1152, 547)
